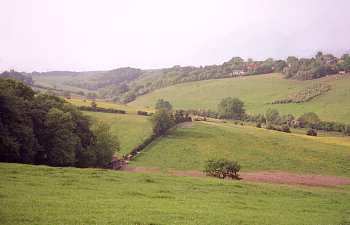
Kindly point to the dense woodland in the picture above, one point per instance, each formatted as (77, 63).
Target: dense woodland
(44, 129)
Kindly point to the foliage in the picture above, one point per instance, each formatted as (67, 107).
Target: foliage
(100, 109)
(313, 68)
(142, 113)
(162, 120)
(272, 116)
(222, 168)
(131, 130)
(231, 108)
(162, 104)
(311, 132)
(42, 129)
(309, 119)
(105, 144)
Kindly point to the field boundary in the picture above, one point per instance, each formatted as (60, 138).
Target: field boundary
(274, 177)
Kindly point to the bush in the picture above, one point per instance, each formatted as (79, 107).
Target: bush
(311, 132)
(258, 125)
(285, 128)
(142, 113)
(222, 168)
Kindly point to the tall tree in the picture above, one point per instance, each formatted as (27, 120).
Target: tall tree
(231, 108)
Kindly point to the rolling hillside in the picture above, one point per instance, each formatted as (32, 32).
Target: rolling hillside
(257, 92)
(131, 130)
(188, 147)
(48, 195)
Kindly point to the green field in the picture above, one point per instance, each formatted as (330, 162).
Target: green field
(255, 149)
(105, 104)
(131, 130)
(47, 195)
(257, 92)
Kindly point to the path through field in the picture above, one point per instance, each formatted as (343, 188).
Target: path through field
(277, 177)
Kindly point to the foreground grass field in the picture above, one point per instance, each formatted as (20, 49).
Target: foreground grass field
(257, 92)
(46, 195)
(131, 130)
(255, 149)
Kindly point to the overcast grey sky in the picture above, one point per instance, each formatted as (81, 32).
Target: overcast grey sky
(47, 35)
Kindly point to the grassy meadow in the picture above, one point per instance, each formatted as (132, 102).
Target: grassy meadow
(105, 104)
(131, 130)
(188, 148)
(257, 92)
(48, 195)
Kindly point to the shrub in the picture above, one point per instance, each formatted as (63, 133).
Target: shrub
(311, 132)
(222, 168)
(258, 125)
(142, 113)
(285, 128)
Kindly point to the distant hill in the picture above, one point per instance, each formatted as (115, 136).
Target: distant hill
(126, 84)
(17, 75)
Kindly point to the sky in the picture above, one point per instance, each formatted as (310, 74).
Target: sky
(81, 35)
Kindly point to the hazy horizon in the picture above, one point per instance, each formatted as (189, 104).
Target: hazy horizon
(38, 35)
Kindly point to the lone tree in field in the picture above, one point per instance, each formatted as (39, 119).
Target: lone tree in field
(222, 168)
(162, 120)
(93, 104)
(162, 104)
(309, 119)
(272, 116)
(231, 108)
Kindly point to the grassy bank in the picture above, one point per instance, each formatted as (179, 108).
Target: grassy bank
(46, 195)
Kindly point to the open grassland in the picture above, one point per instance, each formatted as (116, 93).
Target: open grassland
(104, 104)
(257, 92)
(130, 129)
(47, 195)
(188, 148)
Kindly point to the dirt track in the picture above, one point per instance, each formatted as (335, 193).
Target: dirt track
(277, 177)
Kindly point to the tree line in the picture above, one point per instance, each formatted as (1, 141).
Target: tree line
(44, 129)
(318, 66)
(234, 109)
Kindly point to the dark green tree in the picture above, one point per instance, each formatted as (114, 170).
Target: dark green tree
(162, 120)
(162, 104)
(272, 116)
(231, 108)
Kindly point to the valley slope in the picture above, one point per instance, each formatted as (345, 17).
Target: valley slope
(258, 92)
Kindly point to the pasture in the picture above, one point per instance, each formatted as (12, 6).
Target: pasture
(187, 148)
(105, 104)
(47, 195)
(257, 92)
(131, 130)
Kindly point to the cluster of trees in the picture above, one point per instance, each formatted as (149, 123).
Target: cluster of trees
(222, 168)
(233, 108)
(164, 118)
(316, 67)
(44, 129)
(273, 120)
